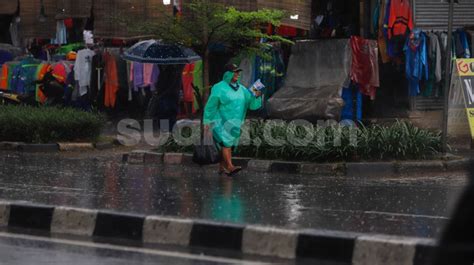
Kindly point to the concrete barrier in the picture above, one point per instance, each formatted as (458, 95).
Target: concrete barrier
(108, 226)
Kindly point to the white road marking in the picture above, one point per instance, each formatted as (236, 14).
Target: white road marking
(131, 249)
(389, 213)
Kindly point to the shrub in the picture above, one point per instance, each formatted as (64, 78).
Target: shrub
(401, 140)
(48, 124)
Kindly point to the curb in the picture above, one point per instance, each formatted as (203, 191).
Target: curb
(34, 148)
(361, 169)
(107, 226)
(53, 147)
(76, 146)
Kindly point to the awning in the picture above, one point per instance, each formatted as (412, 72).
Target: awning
(241, 5)
(298, 11)
(31, 27)
(106, 13)
(73, 9)
(8, 7)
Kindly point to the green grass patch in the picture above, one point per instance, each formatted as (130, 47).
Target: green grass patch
(399, 141)
(48, 124)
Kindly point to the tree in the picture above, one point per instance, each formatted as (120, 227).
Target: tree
(205, 23)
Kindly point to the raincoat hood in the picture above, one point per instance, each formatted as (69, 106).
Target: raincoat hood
(228, 77)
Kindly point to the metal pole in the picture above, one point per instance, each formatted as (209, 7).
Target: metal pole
(447, 77)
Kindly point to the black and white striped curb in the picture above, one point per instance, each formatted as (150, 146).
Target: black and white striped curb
(344, 247)
(367, 169)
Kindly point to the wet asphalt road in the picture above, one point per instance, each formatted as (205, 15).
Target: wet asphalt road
(21, 250)
(417, 206)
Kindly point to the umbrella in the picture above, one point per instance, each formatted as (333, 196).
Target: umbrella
(157, 52)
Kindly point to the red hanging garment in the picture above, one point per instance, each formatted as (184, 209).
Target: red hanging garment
(400, 20)
(69, 23)
(287, 31)
(188, 78)
(365, 67)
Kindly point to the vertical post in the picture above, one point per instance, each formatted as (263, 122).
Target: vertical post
(447, 77)
(367, 18)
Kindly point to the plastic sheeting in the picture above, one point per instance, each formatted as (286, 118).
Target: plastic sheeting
(316, 74)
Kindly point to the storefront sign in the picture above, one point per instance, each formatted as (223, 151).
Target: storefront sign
(465, 69)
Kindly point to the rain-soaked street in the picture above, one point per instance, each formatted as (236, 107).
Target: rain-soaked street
(415, 206)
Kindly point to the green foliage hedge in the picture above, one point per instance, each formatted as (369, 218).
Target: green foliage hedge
(48, 124)
(401, 140)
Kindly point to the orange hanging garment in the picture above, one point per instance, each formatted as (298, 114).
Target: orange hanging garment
(400, 20)
(188, 76)
(111, 80)
(40, 97)
(4, 78)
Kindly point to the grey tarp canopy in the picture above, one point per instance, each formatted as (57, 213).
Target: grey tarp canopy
(316, 73)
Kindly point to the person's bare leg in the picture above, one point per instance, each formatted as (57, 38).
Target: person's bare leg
(222, 165)
(227, 158)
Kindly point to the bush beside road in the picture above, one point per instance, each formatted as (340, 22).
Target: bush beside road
(278, 140)
(46, 125)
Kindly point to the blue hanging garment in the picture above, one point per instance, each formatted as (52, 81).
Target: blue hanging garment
(347, 110)
(465, 44)
(416, 65)
(349, 95)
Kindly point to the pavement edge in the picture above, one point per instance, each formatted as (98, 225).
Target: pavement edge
(325, 245)
(349, 169)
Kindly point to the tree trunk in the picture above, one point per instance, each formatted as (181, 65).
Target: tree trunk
(205, 73)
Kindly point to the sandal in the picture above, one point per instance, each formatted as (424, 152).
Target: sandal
(222, 171)
(233, 171)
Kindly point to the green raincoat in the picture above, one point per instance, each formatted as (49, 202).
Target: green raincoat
(226, 109)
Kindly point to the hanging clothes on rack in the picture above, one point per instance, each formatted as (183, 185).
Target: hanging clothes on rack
(381, 38)
(4, 77)
(9, 71)
(83, 69)
(111, 80)
(365, 67)
(15, 32)
(198, 82)
(144, 75)
(136, 75)
(42, 69)
(5, 56)
(61, 33)
(352, 97)
(461, 44)
(188, 79)
(434, 59)
(24, 76)
(416, 67)
(97, 79)
(151, 73)
(400, 23)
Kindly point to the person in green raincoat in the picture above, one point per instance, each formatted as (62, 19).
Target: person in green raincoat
(225, 112)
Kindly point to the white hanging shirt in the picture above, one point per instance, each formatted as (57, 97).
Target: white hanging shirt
(82, 69)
